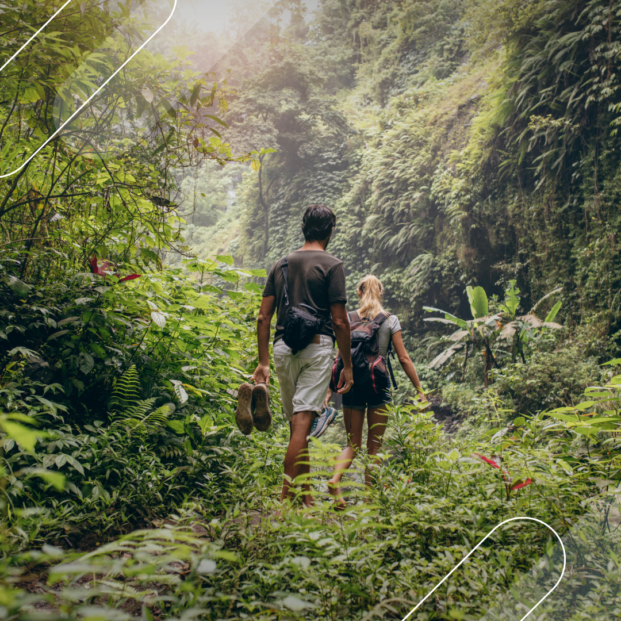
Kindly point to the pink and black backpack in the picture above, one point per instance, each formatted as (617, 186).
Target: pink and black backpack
(370, 369)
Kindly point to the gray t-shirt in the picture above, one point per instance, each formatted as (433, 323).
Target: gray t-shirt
(387, 329)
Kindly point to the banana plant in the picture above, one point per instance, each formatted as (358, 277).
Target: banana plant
(484, 330)
(522, 329)
(473, 335)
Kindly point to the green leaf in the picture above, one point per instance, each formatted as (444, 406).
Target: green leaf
(204, 302)
(253, 287)
(217, 120)
(211, 289)
(225, 258)
(205, 423)
(85, 363)
(158, 319)
(295, 603)
(56, 479)
(21, 288)
(57, 335)
(26, 437)
(478, 302)
(552, 314)
(195, 93)
(177, 426)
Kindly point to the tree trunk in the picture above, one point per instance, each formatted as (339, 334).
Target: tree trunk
(266, 209)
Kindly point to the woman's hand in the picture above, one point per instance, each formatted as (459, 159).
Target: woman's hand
(326, 402)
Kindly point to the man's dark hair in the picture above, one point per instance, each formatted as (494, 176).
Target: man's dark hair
(317, 223)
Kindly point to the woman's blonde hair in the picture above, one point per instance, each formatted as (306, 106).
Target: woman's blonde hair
(370, 291)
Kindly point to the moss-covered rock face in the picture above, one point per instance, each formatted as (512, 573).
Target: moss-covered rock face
(459, 142)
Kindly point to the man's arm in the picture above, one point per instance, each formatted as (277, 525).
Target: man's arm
(342, 331)
(266, 312)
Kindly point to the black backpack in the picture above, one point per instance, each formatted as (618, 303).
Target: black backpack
(370, 369)
(301, 322)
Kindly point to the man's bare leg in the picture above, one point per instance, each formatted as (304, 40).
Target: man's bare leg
(297, 457)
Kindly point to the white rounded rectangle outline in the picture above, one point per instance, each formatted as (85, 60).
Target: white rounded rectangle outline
(93, 95)
(491, 532)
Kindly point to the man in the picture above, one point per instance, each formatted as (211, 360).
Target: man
(317, 279)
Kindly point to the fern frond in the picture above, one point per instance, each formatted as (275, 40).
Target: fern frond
(157, 418)
(140, 418)
(126, 391)
(139, 410)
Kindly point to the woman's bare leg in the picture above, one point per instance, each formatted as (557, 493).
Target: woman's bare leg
(354, 421)
(377, 419)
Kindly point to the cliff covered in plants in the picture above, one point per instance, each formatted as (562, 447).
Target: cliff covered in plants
(461, 143)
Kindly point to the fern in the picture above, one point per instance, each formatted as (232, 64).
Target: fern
(140, 418)
(139, 410)
(126, 392)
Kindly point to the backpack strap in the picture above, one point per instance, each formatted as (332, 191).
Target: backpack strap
(354, 317)
(380, 319)
(284, 266)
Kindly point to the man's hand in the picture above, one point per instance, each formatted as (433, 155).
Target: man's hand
(261, 374)
(346, 381)
(266, 312)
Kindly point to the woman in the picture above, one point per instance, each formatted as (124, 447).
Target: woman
(363, 398)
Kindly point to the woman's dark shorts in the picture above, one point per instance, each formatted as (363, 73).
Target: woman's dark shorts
(363, 397)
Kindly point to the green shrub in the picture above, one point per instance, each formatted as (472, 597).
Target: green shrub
(548, 380)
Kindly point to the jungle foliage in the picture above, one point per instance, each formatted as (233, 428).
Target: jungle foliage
(469, 149)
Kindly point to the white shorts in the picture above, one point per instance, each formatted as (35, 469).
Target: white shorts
(304, 377)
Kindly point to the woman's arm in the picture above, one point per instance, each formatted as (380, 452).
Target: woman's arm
(406, 363)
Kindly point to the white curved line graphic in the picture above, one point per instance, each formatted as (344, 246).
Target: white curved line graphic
(491, 532)
(93, 95)
(8, 62)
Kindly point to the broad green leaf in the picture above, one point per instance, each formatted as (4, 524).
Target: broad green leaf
(158, 319)
(253, 287)
(225, 258)
(177, 426)
(205, 423)
(85, 363)
(56, 479)
(478, 302)
(24, 436)
(21, 288)
(204, 302)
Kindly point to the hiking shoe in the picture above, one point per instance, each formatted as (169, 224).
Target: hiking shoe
(323, 421)
(243, 413)
(261, 407)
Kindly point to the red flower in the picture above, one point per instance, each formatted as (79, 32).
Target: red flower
(101, 269)
(523, 484)
(491, 462)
